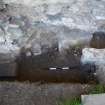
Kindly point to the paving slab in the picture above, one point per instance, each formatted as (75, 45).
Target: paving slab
(95, 99)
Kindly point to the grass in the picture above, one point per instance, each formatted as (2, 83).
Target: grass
(97, 89)
(74, 101)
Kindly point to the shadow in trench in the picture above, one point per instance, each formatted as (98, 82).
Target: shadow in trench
(38, 68)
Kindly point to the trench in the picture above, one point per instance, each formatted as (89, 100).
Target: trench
(52, 67)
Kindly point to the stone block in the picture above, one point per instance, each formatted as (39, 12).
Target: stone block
(96, 99)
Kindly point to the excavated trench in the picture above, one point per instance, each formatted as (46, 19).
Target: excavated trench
(52, 66)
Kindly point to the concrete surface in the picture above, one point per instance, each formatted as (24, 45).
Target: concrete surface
(15, 93)
(96, 99)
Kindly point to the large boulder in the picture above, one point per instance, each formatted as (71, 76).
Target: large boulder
(92, 55)
(97, 57)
